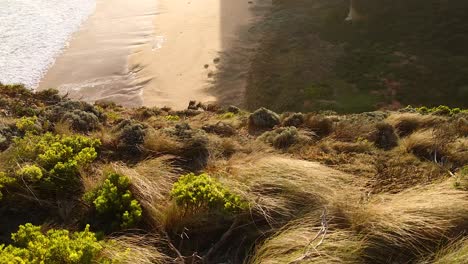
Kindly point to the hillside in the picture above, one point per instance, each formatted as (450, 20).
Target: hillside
(101, 183)
(393, 54)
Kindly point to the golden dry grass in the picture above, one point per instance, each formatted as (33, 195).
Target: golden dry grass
(280, 188)
(131, 249)
(412, 223)
(407, 123)
(456, 253)
(160, 143)
(294, 243)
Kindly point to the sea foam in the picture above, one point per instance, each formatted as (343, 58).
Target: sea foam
(33, 33)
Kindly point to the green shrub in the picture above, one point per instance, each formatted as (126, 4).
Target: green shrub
(114, 202)
(203, 192)
(131, 136)
(441, 110)
(227, 115)
(30, 245)
(172, 118)
(4, 181)
(30, 124)
(58, 157)
(31, 173)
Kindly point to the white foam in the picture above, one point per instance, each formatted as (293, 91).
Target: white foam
(33, 33)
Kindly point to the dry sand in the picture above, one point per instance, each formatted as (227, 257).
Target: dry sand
(149, 52)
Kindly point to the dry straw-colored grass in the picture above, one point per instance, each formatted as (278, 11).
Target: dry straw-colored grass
(131, 249)
(281, 188)
(413, 223)
(407, 123)
(300, 242)
(160, 143)
(456, 253)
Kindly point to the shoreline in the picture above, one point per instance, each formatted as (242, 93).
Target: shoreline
(151, 53)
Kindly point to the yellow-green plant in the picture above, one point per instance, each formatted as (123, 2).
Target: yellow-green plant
(227, 115)
(114, 202)
(56, 246)
(199, 192)
(172, 118)
(58, 157)
(30, 124)
(30, 172)
(5, 180)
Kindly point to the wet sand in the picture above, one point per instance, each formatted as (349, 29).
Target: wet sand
(148, 52)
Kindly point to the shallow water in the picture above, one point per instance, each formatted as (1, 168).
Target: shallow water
(33, 33)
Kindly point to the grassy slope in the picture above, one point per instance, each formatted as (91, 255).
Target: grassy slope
(404, 52)
(377, 204)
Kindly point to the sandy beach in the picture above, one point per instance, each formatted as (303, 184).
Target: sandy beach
(149, 52)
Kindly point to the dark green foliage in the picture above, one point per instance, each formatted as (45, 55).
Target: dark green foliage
(221, 129)
(7, 133)
(195, 150)
(81, 120)
(285, 137)
(144, 113)
(385, 137)
(114, 203)
(57, 246)
(48, 96)
(131, 135)
(263, 119)
(295, 120)
(81, 116)
(320, 125)
(202, 192)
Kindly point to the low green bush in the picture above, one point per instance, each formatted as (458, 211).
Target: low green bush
(4, 181)
(57, 246)
(57, 157)
(441, 110)
(172, 118)
(31, 173)
(202, 192)
(114, 202)
(29, 124)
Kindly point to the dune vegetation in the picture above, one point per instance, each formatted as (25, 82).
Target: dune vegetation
(100, 183)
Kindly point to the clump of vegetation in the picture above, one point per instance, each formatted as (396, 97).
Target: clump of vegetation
(81, 116)
(114, 202)
(30, 245)
(202, 192)
(173, 118)
(4, 181)
(320, 125)
(441, 110)
(131, 135)
(385, 137)
(284, 137)
(263, 119)
(29, 124)
(54, 160)
(220, 128)
(295, 120)
(461, 181)
(81, 121)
